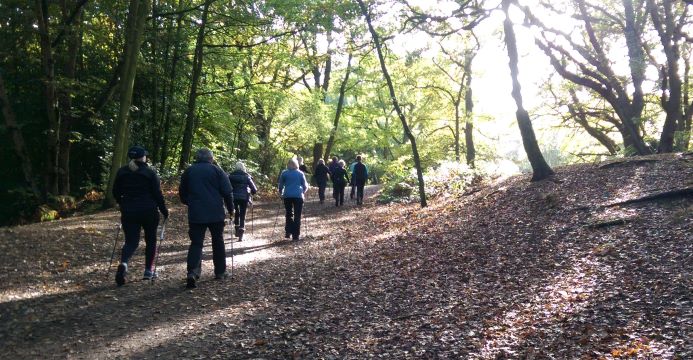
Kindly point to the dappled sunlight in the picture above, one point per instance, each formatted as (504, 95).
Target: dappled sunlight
(634, 188)
(565, 295)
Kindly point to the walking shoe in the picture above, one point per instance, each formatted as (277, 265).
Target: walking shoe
(221, 276)
(235, 231)
(149, 275)
(287, 235)
(191, 282)
(240, 233)
(121, 273)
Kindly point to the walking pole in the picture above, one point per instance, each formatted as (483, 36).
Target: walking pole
(161, 241)
(276, 217)
(115, 243)
(252, 217)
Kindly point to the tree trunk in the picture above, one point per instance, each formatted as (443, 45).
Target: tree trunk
(155, 124)
(317, 154)
(17, 139)
(338, 113)
(540, 169)
(395, 103)
(49, 99)
(468, 109)
(192, 99)
(578, 114)
(73, 34)
(134, 30)
(168, 95)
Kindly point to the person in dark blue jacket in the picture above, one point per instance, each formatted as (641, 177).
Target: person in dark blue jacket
(205, 189)
(321, 173)
(137, 189)
(292, 186)
(359, 176)
(243, 187)
(339, 180)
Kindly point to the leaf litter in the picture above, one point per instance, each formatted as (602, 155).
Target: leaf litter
(511, 270)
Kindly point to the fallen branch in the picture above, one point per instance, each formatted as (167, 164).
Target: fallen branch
(607, 223)
(671, 194)
(626, 162)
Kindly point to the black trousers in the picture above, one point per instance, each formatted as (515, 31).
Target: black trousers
(359, 191)
(321, 191)
(294, 208)
(339, 194)
(197, 237)
(240, 209)
(132, 224)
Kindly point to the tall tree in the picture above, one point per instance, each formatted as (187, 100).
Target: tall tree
(585, 62)
(192, 99)
(540, 169)
(338, 113)
(134, 30)
(17, 138)
(395, 103)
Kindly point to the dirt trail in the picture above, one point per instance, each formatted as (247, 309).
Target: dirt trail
(57, 299)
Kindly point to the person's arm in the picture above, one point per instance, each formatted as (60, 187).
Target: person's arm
(304, 183)
(281, 183)
(183, 188)
(225, 190)
(158, 195)
(253, 188)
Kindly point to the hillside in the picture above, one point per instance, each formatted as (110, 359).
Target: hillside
(514, 269)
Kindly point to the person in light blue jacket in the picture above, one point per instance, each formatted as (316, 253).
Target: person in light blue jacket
(292, 186)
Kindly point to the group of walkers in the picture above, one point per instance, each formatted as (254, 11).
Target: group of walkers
(337, 172)
(210, 193)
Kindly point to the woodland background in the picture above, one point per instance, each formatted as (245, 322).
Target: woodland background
(395, 80)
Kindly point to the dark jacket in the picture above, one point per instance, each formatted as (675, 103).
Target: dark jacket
(243, 185)
(205, 188)
(321, 171)
(360, 174)
(138, 191)
(303, 168)
(340, 176)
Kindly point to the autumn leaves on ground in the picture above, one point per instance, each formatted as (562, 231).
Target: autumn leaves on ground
(511, 269)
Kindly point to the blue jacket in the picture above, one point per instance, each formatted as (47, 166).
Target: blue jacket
(292, 184)
(243, 185)
(205, 188)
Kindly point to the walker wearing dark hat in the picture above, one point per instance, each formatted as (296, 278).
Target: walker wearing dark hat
(137, 189)
(205, 189)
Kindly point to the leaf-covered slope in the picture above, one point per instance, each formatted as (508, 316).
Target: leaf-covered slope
(515, 270)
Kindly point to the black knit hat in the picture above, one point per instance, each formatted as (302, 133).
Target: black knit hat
(137, 152)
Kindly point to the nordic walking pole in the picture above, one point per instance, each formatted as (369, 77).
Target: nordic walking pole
(252, 217)
(161, 241)
(115, 243)
(276, 217)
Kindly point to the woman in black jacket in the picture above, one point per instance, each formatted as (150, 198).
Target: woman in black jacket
(243, 187)
(137, 189)
(339, 180)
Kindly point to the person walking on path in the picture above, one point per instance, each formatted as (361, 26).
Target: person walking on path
(321, 174)
(302, 166)
(137, 189)
(243, 187)
(205, 189)
(351, 183)
(339, 181)
(292, 186)
(359, 176)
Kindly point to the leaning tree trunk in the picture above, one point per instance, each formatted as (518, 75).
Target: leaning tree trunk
(468, 108)
(395, 104)
(338, 113)
(197, 71)
(17, 139)
(133, 36)
(540, 169)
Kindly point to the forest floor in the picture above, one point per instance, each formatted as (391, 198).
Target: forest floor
(512, 269)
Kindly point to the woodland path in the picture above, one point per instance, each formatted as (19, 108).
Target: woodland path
(586, 265)
(57, 299)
